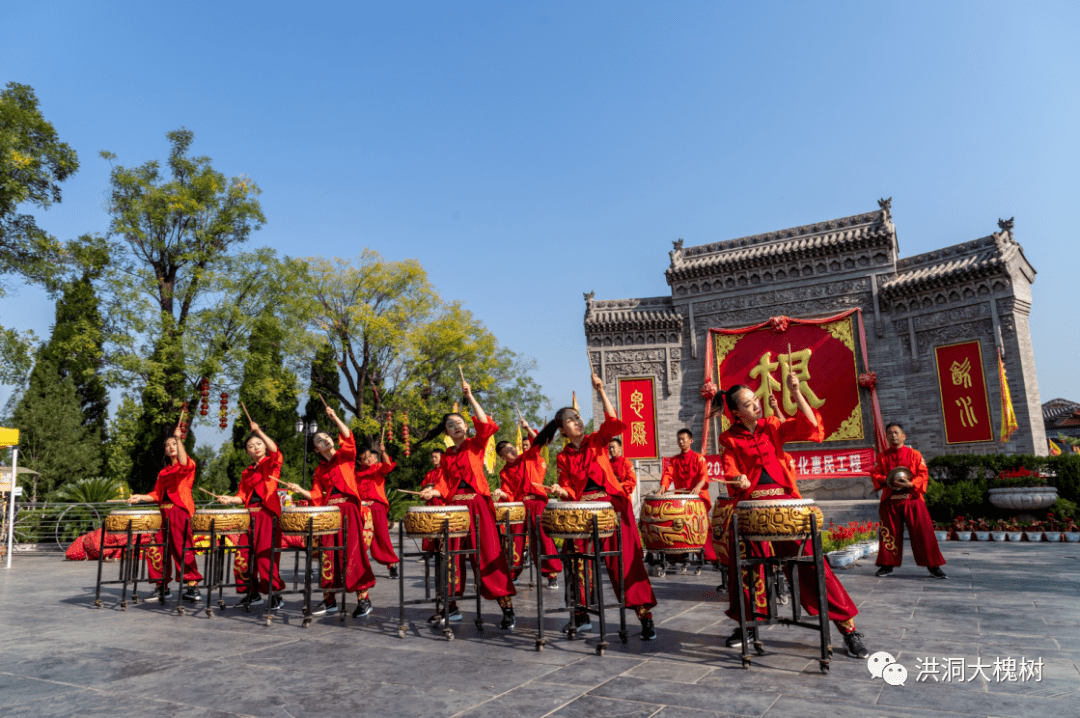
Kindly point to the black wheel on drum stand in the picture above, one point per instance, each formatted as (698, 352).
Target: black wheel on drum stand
(746, 662)
(623, 637)
(540, 644)
(824, 666)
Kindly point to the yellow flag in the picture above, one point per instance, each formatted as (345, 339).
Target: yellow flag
(489, 455)
(517, 441)
(1054, 449)
(446, 439)
(1008, 416)
(574, 403)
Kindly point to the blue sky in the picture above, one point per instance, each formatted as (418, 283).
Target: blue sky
(527, 153)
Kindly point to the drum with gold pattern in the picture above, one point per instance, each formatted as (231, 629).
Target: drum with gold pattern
(369, 527)
(324, 520)
(574, 519)
(513, 509)
(427, 521)
(781, 520)
(144, 520)
(720, 527)
(675, 523)
(225, 521)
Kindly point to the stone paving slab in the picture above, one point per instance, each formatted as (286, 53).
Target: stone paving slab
(61, 657)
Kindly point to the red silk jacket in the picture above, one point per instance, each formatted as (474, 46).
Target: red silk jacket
(524, 476)
(372, 481)
(891, 459)
(746, 453)
(466, 463)
(339, 472)
(624, 472)
(261, 479)
(590, 461)
(175, 481)
(685, 471)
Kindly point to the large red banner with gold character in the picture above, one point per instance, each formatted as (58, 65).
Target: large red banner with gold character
(822, 356)
(637, 408)
(964, 402)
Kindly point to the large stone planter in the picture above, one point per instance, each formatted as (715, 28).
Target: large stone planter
(1024, 498)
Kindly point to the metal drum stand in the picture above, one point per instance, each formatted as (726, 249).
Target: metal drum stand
(445, 570)
(216, 563)
(132, 565)
(308, 550)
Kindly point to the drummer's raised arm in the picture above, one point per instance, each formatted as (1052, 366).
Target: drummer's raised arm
(477, 410)
(343, 428)
(271, 447)
(598, 384)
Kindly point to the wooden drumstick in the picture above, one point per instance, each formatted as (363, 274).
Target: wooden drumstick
(322, 400)
(461, 373)
(588, 356)
(246, 413)
(211, 493)
(406, 491)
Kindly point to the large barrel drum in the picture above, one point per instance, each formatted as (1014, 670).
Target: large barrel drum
(225, 521)
(325, 520)
(676, 523)
(781, 520)
(574, 519)
(143, 520)
(426, 522)
(515, 510)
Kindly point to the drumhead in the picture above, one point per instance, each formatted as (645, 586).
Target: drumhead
(674, 497)
(149, 509)
(578, 505)
(220, 512)
(436, 509)
(508, 504)
(764, 504)
(309, 509)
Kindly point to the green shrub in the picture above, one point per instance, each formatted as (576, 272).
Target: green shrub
(1063, 508)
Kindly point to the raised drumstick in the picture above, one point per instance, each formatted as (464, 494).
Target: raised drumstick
(461, 373)
(246, 413)
(211, 493)
(406, 491)
(322, 400)
(588, 357)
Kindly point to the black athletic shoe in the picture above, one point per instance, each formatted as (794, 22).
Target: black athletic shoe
(508, 621)
(168, 591)
(248, 602)
(936, 572)
(884, 571)
(735, 639)
(277, 603)
(325, 607)
(191, 595)
(455, 616)
(393, 572)
(648, 631)
(363, 608)
(553, 583)
(855, 647)
(580, 621)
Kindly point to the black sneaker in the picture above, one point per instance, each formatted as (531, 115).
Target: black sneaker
(363, 608)
(249, 601)
(553, 583)
(277, 603)
(648, 631)
(191, 595)
(735, 639)
(580, 621)
(393, 571)
(936, 572)
(508, 621)
(855, 647)
(884, 571)
(325, 607)
(157, 591)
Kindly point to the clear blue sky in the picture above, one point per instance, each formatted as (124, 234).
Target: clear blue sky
(526, 153)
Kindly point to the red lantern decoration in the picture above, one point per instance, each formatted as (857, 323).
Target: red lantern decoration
(405, 432)
(203, 412)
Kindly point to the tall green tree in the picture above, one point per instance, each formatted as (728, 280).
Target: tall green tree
(53, 440)
(33, 163)
(323, 379)
(269, 392)
(123, 429)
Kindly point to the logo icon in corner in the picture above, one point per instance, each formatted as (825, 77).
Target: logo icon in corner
(884, 666)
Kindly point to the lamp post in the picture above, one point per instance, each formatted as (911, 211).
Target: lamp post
(308, 430)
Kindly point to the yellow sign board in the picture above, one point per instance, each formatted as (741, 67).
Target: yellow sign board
(9, 437)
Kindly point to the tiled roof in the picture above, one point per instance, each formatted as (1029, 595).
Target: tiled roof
(969, 260)
(1058, 408)
(813, 240)
(615, 315)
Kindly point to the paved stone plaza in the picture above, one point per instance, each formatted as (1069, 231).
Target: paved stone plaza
(60, 657)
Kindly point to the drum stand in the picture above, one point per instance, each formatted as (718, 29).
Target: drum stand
(307, 549)
(132, 566)
(446, 567)
(507, 536)
(583, 563)
(216, 564)
(663, 566)
(773, 564)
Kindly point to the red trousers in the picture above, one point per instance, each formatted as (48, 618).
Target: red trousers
(517, 562)
(639, 592)
(382, 548)
(262, 534)
(358, 575)
(492, 573)
(841, 607)
(551, 566)
(177, 522)
(910, 509)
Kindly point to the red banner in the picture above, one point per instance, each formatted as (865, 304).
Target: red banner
(637, 407)
(964, 403)
(822, 356)
(828, 464)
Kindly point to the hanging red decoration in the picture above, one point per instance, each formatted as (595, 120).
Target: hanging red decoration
(405, 432)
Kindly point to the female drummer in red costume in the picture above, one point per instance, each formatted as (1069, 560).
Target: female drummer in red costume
(258, 492)
(461, 482)
(172, 492)
(754, 458)
(375, 464)
(523, 480)
(429, 545)
(585, 474)
(335, 485)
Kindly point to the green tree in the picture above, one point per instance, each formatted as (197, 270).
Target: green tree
(53, 440)
(269, 393)
(122, 431)
(33, 163)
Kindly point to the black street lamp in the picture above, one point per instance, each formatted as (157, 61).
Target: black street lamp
(308, 430)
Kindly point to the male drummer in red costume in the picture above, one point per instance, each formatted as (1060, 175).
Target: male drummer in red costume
(753, 456)
(373, 466)
(622, 466)
(687, 473)
(430, 545)
(902, 503)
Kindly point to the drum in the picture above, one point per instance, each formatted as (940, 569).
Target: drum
(515, 510)
(226, 521)
(574, 519)
(369, 526)
(720, 526)
(325, 520)
(427, 521)
(676, 523)
(145, 520)
(782, 520)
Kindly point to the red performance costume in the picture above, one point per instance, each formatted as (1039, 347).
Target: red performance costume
(685, 471)
(172, 492)
(624, 472)
(760, 457)
(586, 473)
(523, 480)
(430, 478)
(905, 506)
(462, 482)
(372, 482)
(335, 485)
(258, 489)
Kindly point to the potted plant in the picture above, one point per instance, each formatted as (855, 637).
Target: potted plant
(1052, 532)
(961, 529)
(1034, 531)
(1022, 490)
(1072, 531)
(1014, 532)
(998, 532)
(982, 529)
(941, 530)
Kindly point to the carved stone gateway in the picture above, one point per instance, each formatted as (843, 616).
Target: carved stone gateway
(975, 291)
